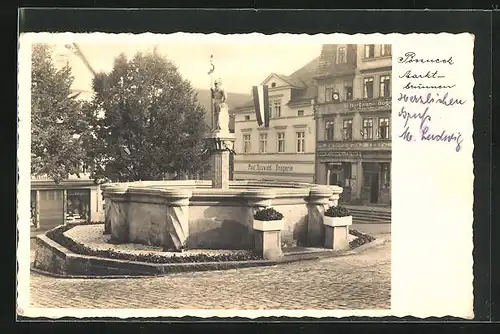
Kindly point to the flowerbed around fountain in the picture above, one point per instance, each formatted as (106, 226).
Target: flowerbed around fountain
(88, 253)
(154, 228)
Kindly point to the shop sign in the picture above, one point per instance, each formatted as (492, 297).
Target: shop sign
(270, 168)
(369, 104)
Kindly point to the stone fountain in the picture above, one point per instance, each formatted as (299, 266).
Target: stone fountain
(217, 213)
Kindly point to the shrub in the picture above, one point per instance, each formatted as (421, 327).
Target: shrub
(337, 211)
(268, 214)
(58, 236)
(360, 240)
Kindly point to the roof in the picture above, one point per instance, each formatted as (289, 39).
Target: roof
(327, 65)
(303, 78)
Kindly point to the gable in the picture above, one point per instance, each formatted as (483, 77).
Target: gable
(277, 80)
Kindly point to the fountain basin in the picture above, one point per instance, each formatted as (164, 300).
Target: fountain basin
(180, 214)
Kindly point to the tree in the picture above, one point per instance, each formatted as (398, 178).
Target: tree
(148, 122)
(56, 119)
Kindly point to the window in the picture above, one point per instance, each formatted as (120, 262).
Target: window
(263, 143)
(51, 195)
(383, 128)
(246, 144)
(386, 50)
(385, 86)
(273, 85)
(277, 108)
(281, 142)
(329, 89)
(368, 88)
(347, 127)
(348, 90)
(301, 140)
(341, 55)
(386, 174)
(367, 128)
(369, 50)
(329, 130)
(247, 117)
(300, 112)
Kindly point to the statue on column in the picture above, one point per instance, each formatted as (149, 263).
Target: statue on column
(219, 105)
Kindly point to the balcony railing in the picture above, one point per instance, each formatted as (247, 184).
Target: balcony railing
(382, 144)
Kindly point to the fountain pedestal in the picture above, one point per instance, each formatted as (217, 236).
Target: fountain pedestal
(221, 144)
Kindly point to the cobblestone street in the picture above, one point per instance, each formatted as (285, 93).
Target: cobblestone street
(361, 281)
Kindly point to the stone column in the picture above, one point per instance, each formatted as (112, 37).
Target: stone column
(220, 170)
(220, 142)
(177, 223)
(317, 203)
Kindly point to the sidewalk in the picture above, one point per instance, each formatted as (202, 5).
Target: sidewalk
(367, 207)
(374, 229)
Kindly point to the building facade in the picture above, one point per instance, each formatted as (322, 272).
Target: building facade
(76, 198)
(353, 119)
(285, 150)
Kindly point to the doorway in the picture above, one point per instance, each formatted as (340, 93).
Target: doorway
(374, 188)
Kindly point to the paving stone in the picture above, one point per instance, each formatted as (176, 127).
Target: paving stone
(360, 281)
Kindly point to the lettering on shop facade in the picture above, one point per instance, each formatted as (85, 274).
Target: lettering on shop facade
(270, 168)
(339, 156)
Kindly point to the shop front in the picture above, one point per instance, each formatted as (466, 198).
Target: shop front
(69, 201)
(365, 176)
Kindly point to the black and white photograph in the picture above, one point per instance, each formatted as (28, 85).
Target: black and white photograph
(216, 175)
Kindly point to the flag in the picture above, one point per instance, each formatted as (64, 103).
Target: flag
(261, 104)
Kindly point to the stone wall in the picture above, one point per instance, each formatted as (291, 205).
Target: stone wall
(214, 218)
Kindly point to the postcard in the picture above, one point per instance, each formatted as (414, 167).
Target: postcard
(247, 175)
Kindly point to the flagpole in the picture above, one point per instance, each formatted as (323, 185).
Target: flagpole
(211, 95)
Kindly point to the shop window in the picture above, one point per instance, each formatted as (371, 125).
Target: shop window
(78, 204)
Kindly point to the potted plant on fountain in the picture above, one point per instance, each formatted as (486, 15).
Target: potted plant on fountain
(268, 224)
(336, 221)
